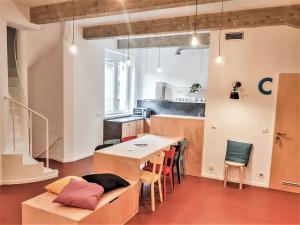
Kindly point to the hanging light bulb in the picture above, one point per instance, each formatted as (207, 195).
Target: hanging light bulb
(123, 60)
(194, 40)
(159, 69)
(73, 48)
(128, 61)
(219, 59)
(147, 71)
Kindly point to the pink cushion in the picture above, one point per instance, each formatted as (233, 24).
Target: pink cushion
(80, 194)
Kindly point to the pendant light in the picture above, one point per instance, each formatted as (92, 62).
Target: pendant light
(146, 55)
(219, 59)
(73, 47)
(147, 71)
(194, 41)
(123, 55)
(128, 61)
(159, 69)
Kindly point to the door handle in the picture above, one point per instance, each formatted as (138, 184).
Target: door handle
(280, 134)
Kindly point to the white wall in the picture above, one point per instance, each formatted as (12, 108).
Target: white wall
(45, 80)
(180, 71)
(84, 96)
(3, 88)
(266, 51)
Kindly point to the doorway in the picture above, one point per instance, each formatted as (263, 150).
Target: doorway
(285, 169)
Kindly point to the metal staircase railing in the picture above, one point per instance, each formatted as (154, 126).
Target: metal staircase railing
(31, 111)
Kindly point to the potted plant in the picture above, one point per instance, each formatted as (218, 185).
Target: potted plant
(195, 87)
(194, 91)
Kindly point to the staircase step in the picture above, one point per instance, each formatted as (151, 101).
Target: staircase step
(13, 81)
(27, 160)
(50, 173)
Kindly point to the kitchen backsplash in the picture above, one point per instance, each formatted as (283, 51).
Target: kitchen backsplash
(173, 108)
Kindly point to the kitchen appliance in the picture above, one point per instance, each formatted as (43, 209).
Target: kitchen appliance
(141, 112)
(160, 90)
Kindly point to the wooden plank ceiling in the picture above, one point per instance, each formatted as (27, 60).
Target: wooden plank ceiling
(284, 15)
(63, 11)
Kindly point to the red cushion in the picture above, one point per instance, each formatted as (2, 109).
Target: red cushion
(149, 167)
(80, 194)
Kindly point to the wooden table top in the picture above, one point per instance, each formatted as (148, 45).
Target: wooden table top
(129, 149)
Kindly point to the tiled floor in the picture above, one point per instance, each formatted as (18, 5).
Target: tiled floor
(195, 201)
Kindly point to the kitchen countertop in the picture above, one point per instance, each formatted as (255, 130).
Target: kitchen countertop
(126, 119)
(180, 117)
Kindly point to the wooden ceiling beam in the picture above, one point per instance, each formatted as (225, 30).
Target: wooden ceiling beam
(83, 9)
(164, 41)
(284, 15)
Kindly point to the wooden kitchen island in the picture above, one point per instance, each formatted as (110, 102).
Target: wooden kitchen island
(189, 127)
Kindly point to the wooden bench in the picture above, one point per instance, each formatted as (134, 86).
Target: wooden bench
(115, 207)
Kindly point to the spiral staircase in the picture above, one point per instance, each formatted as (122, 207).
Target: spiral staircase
(18, 164)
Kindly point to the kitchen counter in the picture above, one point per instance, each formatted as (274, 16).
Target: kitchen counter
(180, 117)
(118, 128)
(126, 119)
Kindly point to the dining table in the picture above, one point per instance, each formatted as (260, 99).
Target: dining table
(125, 159)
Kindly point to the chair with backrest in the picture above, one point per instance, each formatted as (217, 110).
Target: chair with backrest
(129, 138)
(237, 156)
(151, 177)
(179, 159)
(142, 134)
(99, 147)
(112, 141)
(167, 169)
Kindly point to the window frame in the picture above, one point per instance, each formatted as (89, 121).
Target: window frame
(116, 58)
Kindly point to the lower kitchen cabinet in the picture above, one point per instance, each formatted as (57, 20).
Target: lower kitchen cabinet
(114, 129)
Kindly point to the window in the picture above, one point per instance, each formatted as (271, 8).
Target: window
(117, 84)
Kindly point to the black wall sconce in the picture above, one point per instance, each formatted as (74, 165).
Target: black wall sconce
(235, 90)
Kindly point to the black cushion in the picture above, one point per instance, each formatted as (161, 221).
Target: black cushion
(108, 181)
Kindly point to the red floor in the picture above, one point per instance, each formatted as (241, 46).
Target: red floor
(195, 201)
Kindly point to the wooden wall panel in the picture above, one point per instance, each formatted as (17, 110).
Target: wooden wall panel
(190, 128)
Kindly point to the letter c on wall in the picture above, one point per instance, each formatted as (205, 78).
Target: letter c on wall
(261, 86)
